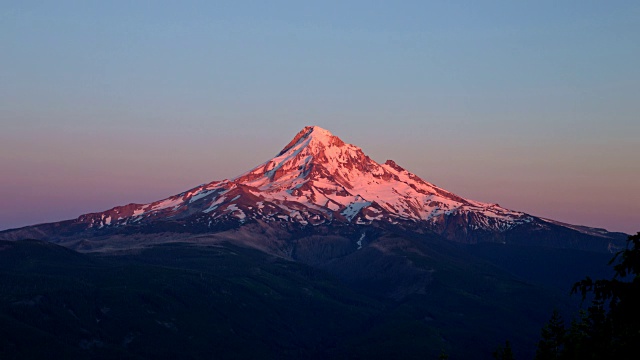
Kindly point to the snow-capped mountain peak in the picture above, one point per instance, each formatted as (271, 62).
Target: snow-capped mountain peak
(319, 179)
(320, 184)
(314, 153)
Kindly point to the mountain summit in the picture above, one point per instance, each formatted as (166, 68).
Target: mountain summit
(317, 180)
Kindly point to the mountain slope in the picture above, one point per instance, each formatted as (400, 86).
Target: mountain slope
(224, 301)
(317, 180)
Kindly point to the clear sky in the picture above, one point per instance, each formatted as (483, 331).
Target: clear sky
(534, 105)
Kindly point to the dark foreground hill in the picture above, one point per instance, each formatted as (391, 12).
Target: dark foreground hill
(225, 301)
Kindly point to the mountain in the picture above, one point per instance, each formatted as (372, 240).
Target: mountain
(319, 252)
(320, 184)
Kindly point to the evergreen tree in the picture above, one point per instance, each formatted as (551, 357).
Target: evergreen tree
(612, 323)
(575, 338)
(504, 353)
(589, 336)
(552, 344)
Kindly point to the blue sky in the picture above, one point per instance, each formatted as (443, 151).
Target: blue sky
(531, 104)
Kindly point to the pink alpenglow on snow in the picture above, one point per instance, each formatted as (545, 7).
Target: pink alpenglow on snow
(317, 178)
(319, 182)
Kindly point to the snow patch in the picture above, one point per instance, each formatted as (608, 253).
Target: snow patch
(214, 205)
(352, 209)
(200, 195)
(359, 242)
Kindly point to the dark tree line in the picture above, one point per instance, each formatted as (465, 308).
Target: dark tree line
(610, 326)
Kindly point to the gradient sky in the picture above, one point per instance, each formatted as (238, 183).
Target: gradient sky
(534, 105)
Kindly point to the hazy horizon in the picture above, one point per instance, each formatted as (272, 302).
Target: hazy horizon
(532, 105)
